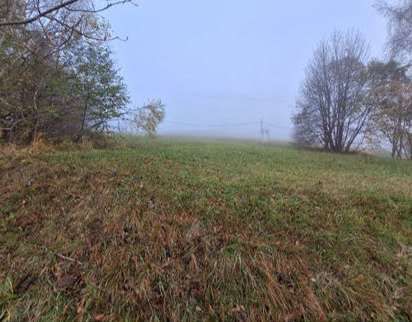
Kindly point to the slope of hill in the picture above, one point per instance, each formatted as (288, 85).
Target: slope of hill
(198, 231)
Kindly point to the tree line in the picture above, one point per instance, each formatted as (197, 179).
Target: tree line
(348, 101)
(58, 79)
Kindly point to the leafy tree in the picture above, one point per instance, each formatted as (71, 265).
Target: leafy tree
(68, 95)
(148, 117)
(391, 95)
(100, 89)
(30, 88)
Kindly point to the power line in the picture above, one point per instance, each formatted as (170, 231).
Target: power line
(212, 125)
(277, 126)
(262, 123)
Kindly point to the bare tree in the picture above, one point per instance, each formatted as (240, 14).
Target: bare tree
(331, 111)
(399, 15)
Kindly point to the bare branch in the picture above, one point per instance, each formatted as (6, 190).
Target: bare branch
(66, 5)
(39, 15)
(108, 6)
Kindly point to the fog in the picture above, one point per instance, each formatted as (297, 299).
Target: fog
(224, 68)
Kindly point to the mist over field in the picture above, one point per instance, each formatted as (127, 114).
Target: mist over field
(231, 62)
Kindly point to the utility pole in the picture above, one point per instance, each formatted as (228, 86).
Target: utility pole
(262, 131)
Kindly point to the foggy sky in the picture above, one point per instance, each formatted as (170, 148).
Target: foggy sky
(222, 66)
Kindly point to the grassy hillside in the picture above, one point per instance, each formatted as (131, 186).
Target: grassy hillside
(204, 231)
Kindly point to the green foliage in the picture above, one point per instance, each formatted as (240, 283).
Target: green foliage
(56, 92)
(31, 92)
(100, 89)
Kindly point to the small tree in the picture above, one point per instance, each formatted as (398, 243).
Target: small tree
(99, 88)
(391, 95)
(331, 111)
(148, 117)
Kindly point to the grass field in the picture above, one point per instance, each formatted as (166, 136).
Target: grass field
(204, 231)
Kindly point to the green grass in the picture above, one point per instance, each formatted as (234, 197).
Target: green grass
(179, 230)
